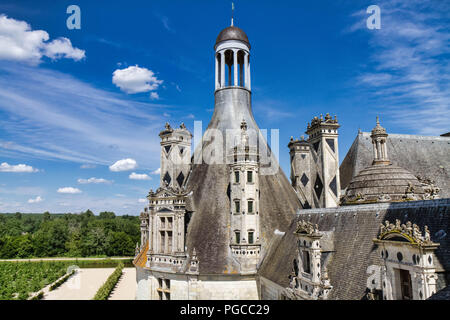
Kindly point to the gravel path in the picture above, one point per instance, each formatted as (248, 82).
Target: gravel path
(81, 286)
(126, 287)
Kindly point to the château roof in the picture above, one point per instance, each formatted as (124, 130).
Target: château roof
(353, 251)
(423, 156)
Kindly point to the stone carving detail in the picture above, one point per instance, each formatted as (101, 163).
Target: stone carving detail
(194, 262)
(316, 120)
(384, 198)
(143, 215)
(409, 231)
(168, 127)
(137, 250)
(307, 227)
(431, 190)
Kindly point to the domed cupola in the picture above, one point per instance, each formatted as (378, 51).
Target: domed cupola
(232, 33)
(232, 59)
(382, 181)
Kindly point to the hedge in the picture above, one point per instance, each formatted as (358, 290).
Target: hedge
(61, 281)
(105, 290)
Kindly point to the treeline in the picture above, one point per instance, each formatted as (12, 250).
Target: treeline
(67, 235)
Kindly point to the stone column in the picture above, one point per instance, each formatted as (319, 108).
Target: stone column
(374, 150)
(385, 150)
(248, 74)
(222, 69)
(235, 64)
(217, 72)
(245, 83)
(378, 150)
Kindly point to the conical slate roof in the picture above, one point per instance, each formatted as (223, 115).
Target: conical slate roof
(209, 227)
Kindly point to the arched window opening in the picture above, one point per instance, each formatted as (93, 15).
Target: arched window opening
(219, 70)
(229, 63)
(240, 58)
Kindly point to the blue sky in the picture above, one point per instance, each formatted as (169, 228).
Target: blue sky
(69, 111)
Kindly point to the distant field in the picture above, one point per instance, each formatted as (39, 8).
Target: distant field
(19, 279)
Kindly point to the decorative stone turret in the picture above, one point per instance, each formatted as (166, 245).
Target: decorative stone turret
(300, 152)
(379, 138)
(323, 138)
(175, 156)
(244, 202)
(144, 227)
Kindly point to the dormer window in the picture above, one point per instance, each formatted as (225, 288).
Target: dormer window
(407, 255)
(312, 282)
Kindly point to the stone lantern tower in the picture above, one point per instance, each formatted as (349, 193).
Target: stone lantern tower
(232, 59)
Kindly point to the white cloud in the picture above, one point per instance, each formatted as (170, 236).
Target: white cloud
(135, 79)
(69, 190)
(136, 176)
(5, 167)
(50, 115)
(154, 96)
(93, 180)
(142, 200)
(88, 166)
(62, 48)
(36, 200)
(123, 165)
(408, 74)
(19, 42)
(157, 171)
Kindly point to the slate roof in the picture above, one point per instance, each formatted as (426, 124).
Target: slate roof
(209, 227)
(354, 228)
(443, 294)
(426, 156)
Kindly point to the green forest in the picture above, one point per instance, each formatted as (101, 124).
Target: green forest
(67, 235)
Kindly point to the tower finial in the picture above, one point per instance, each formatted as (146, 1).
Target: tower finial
(232, 13)
(378, 120)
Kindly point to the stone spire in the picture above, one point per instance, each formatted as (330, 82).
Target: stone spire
(379, 138)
